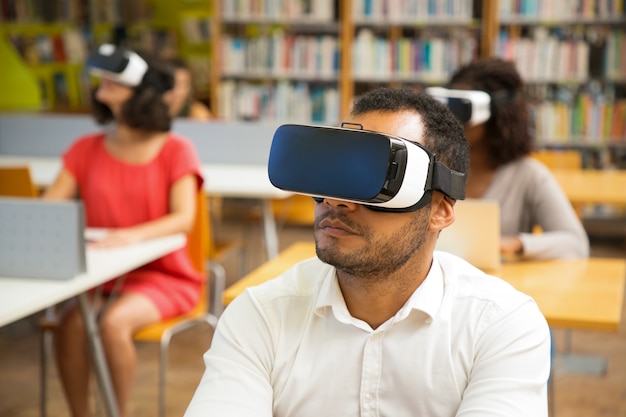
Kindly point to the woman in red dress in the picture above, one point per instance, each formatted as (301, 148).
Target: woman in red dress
(139, 181)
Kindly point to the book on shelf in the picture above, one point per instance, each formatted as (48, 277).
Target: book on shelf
(67, 47)
(60, 85)
(200, 67)
(429, 57)
(560, 10)
(288, 10)
(282, 101)
(281, 54)
(45, 49)
(586, 119)
(196, 29)
(409, 12)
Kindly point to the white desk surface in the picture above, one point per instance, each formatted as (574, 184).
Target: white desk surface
(226, 180)
(21, 297)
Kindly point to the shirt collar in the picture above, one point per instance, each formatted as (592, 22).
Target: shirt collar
(427, 297)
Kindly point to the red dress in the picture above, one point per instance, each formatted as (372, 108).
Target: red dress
(117, 194)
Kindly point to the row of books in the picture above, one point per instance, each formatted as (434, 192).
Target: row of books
(71, 45)
(545, 57)
(200, 67)
(66, 47)
(196, 30)
(411, 11)
(281, 54)
(283, 101)
(161, 42)
(589, 120)
(74, 11)
(31, 11)
(301, 10)
(64, 88)
(561, 10)
(429, 57)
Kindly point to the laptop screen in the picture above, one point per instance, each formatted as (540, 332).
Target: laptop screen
(475, 234)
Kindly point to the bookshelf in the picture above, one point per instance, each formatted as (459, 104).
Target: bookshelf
(305, 60)
(51, 40)
(572, 55)
(354, 44)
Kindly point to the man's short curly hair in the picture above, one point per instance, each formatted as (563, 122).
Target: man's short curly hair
(509, 128)
(443, 134)
(146, 109)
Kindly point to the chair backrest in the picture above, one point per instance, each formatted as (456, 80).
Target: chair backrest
(198, 243)
(559, 159)
(17, 182)
(198, 237)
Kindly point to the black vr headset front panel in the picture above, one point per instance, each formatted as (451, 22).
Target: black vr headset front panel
(461, 108)
(344, 163)
(115, 63)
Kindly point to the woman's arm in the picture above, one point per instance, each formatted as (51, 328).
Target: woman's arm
(64, 187)
(183, 194)
(562, 233)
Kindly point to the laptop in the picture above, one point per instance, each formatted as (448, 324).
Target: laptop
(41, 239)
(475, 234)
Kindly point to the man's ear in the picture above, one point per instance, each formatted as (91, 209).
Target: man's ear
(441, 212)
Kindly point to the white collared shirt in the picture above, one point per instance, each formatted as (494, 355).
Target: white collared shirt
(464, 344)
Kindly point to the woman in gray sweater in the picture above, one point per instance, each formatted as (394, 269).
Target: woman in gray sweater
(501, 169)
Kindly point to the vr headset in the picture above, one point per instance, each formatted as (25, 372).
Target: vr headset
(117, 64)
(384, 172)
(471, 107)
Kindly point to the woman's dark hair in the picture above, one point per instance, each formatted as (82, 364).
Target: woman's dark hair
(145, 110)
(508, 129)
(443, 133)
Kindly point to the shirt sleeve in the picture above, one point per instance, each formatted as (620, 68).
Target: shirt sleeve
(75, 157)
(511, 367)
(562, 235)
(184, 160)
(236, 381)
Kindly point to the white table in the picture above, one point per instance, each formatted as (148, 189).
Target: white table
(251, 182)
(21, 297)
(225, 180)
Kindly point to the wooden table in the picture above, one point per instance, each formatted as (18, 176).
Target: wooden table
(574, 294)
(593, 186)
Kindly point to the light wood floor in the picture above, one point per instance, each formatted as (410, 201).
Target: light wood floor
(576, 395)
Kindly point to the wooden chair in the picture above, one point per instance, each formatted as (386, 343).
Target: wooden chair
(17, 182)
(162, 333)
(295, 210)
(559, 159)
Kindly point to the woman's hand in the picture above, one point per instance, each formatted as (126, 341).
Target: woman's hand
(117, 237)
(511, 247)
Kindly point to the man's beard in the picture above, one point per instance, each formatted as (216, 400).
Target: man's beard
(380, 256)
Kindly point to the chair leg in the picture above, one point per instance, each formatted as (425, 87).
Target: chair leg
(46, 325)
(219, 273)
(43, 373)
(163, 356)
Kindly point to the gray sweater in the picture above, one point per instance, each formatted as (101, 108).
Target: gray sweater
(529, 195)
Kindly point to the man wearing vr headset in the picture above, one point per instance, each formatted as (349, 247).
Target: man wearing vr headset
(139, 181)
(488, 96)
(378, 324)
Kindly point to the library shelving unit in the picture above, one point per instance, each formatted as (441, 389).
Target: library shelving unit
(572, 55)
(305, 60)
(50, 39)
(277, 60)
